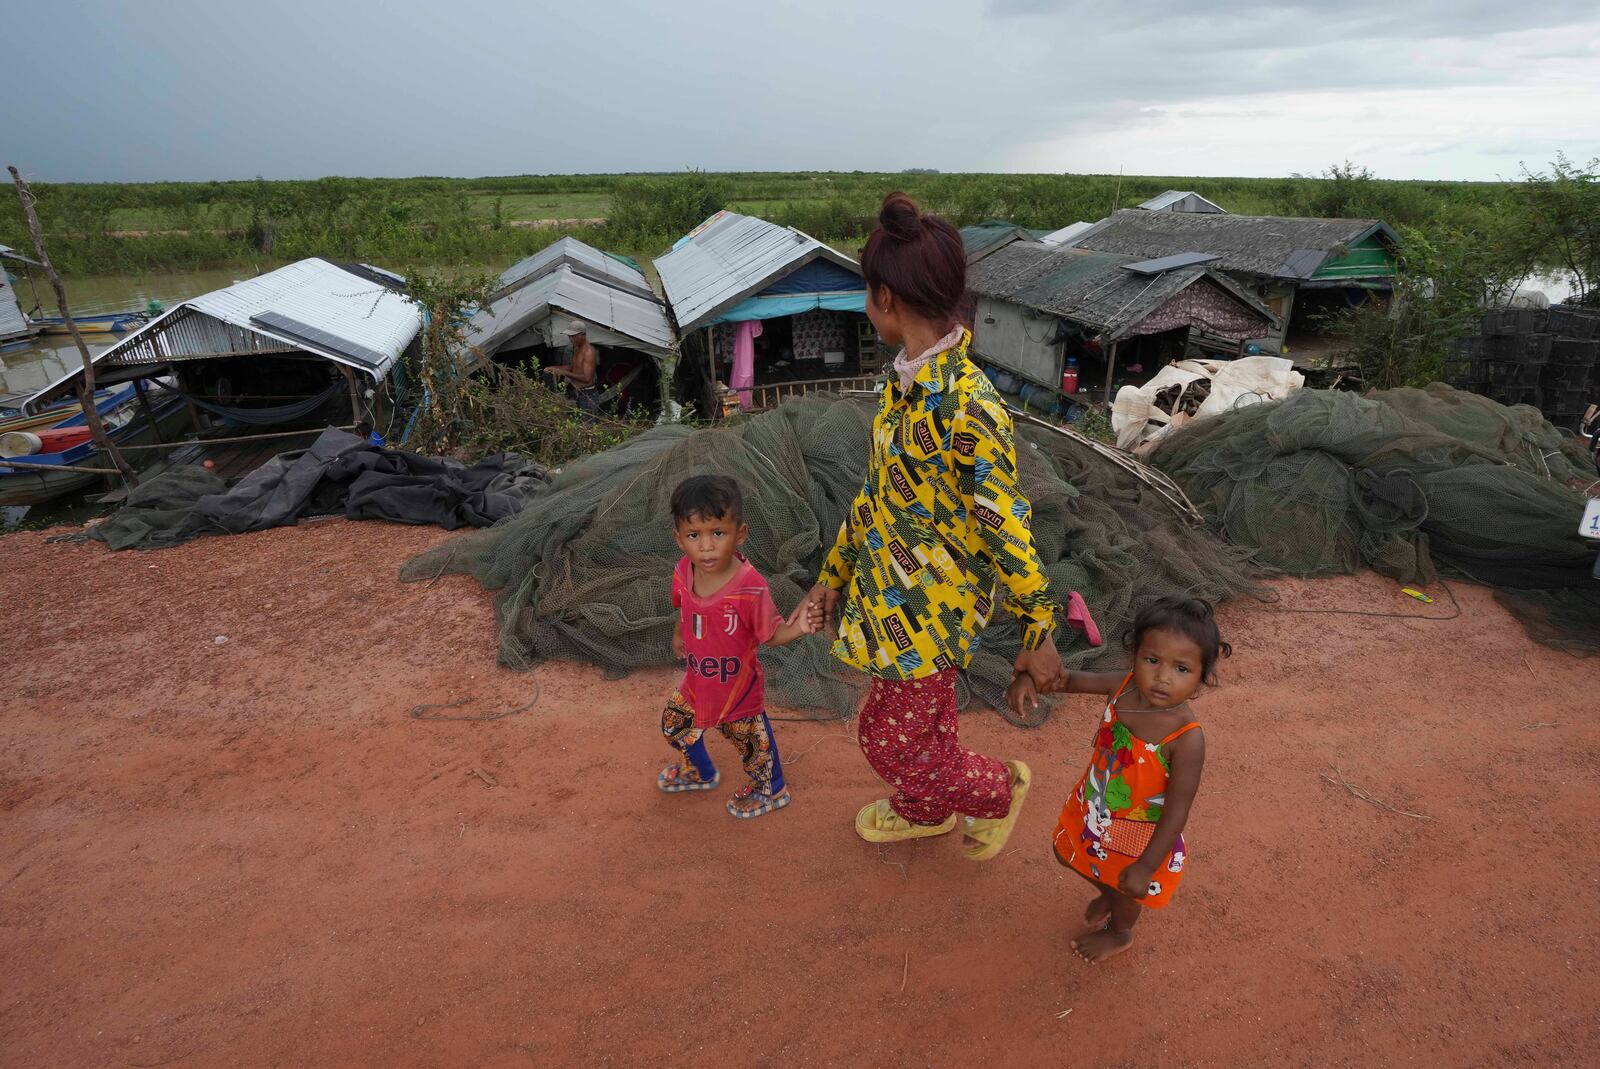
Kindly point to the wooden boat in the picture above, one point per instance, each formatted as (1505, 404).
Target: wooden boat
(113, 323)
(126, 423)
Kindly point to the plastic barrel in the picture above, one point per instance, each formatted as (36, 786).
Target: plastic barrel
(1040, 398)
(19, 444)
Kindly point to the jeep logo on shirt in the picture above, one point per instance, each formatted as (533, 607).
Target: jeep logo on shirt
(987, 516)
(722, 669)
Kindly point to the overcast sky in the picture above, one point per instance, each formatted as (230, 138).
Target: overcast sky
(196, 89)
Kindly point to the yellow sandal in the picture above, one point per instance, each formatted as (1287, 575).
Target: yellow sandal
(879, 823)
(991, 833)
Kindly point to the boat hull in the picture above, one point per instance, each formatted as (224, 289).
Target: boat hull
(31, 487)
(117, 323)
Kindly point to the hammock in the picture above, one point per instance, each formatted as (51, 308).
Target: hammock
(266, 417)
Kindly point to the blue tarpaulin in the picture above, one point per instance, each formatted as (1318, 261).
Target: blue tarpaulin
(819, 284)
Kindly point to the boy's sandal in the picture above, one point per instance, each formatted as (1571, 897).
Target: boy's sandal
(768, 802)
(991, 833)
(879, 823)
(674, 779)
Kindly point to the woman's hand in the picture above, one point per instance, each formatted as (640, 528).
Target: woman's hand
(1043, 664)
(819, 605)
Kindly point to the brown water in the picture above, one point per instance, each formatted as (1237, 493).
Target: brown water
(22, 371)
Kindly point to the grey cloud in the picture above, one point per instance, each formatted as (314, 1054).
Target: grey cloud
(1349, 20)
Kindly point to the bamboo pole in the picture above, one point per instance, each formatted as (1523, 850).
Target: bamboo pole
(355, 393)
(97, 429)
(23, 465)
(234, 441)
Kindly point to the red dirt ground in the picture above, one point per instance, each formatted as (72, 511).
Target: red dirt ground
(248, 855)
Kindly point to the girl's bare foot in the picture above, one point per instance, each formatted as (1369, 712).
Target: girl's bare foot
(1106, 943)
(1099, 911)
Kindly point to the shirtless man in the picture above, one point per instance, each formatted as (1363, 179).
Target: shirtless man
(581, 371)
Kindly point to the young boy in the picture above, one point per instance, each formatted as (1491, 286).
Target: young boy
(725, 614)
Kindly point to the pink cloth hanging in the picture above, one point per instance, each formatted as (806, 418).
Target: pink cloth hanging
(744, 359)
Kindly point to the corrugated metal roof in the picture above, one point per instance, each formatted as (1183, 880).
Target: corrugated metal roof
(1091, 288)
(730, 257)
(322, 296)
(338, 315)
(12, 322)
(1065, 234)
(1183, 200)
(1249, 244)
(642, 319)
(584, 259)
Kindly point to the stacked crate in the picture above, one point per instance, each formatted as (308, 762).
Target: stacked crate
(1547, 358)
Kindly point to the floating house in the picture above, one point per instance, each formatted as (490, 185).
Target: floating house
(1298, 267)
(1119, 319)
(800, 305)
(14, 326)
(536, 299)
(1182, 200)
(270, 349)
(982, 239)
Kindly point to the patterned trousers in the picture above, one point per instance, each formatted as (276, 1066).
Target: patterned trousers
(752, 736)
(908, 732)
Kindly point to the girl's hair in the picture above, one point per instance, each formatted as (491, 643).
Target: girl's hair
(1189, 617)
(919, 258)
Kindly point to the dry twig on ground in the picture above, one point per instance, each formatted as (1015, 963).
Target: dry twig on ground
(1338, 780)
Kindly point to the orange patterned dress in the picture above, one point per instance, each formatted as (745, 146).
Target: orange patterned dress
(1111, 815)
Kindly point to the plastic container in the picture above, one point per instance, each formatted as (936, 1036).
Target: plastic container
(1038, 398)
(55, 441)
(1069, 377)
(19, 444)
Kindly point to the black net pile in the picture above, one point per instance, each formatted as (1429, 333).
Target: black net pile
(583, 572)
(1410, 483)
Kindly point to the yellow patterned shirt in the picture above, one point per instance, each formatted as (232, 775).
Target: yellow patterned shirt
(937, 521)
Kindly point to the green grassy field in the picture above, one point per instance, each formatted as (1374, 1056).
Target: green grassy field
(140, 227)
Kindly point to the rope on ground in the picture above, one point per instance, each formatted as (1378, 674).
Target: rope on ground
(1455, 609)
(420, 712)
(819, 742)
(1338, 780)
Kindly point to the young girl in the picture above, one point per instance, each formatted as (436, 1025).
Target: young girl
(726, 615)
(1122, 827)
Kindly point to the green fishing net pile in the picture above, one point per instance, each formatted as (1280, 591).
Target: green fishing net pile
(1411, 483)
(583, 571)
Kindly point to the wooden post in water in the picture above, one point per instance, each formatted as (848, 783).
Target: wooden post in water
(1111, 368)
(91, 414)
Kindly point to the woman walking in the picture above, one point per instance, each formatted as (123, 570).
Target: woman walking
(938, 521)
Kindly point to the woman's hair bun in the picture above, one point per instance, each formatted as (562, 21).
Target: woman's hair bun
(900, 217)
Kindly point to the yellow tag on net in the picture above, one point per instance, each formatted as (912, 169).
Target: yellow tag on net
(1419, 595)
